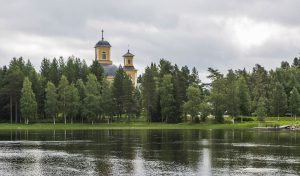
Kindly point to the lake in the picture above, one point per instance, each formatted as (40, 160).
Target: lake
(149, 152)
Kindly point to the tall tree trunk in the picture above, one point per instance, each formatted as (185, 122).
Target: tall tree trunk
(65, 118)
(11, 110)
(16, 110)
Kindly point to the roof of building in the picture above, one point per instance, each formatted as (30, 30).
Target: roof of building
(129, 68)
(103, 43)
(128, 54)
(110, 69)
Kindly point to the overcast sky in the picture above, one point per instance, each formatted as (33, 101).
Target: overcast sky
(202, 33)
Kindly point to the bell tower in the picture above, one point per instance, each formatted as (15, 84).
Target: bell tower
(129, 67)
(102, 51)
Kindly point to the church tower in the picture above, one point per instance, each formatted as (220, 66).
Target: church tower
(102, 51)
(129, 68)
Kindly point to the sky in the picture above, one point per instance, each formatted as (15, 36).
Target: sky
(221, 34)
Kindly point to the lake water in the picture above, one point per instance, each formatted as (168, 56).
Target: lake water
(150, 152)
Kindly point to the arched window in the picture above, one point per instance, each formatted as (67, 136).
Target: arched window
(128, 61)
(103, 55)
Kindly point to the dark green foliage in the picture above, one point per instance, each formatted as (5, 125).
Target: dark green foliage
(217, 95)
(244, 97)
(97, 70)
(160, 96)
(167, 100)
(54, 74)
(122, 93)
(278, 100)
(150, 94)
(232, 96)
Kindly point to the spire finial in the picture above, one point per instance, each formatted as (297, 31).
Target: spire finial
(102, 34)
(128, 48)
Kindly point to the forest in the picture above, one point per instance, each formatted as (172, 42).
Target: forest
(70, 91)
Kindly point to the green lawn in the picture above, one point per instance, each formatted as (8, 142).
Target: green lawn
(270, 121)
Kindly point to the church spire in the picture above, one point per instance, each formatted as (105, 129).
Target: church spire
(102, 34)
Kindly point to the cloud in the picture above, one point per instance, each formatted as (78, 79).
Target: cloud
(206, 33)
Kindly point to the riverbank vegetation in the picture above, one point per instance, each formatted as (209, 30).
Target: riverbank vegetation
(208, 125)
(72, 92)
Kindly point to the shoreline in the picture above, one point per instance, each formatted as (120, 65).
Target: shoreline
(126, 126)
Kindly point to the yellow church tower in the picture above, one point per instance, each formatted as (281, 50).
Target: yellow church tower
(102, 51)
(129, 68)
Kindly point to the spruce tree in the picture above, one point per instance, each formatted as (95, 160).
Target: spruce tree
(127, 97)
(97, 70)
(232, 99)
(118, 91)
(149, 93)
(27, 101)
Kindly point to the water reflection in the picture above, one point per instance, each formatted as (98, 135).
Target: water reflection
(149, 152)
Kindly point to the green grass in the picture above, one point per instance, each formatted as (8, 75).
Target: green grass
(270, 121)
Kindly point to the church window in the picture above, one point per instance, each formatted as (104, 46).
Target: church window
(128, 62)
(103, 55)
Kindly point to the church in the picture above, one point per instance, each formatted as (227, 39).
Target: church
(102, 55)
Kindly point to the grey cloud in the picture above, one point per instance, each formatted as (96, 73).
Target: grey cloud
(194, 33)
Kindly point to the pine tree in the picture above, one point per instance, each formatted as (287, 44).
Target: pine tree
(45, 68)
(149, 93)
(118, 91)
(106, 101)
(51, 102)
(127, 97)
(97, 70)
(28, 102)
(54, 72)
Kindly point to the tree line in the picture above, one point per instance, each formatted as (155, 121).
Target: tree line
(71, 91)
(65, 91)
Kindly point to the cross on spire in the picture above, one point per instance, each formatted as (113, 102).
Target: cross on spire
(102, 34)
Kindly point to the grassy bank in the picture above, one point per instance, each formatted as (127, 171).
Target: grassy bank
(140, 125)
(271, 121)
